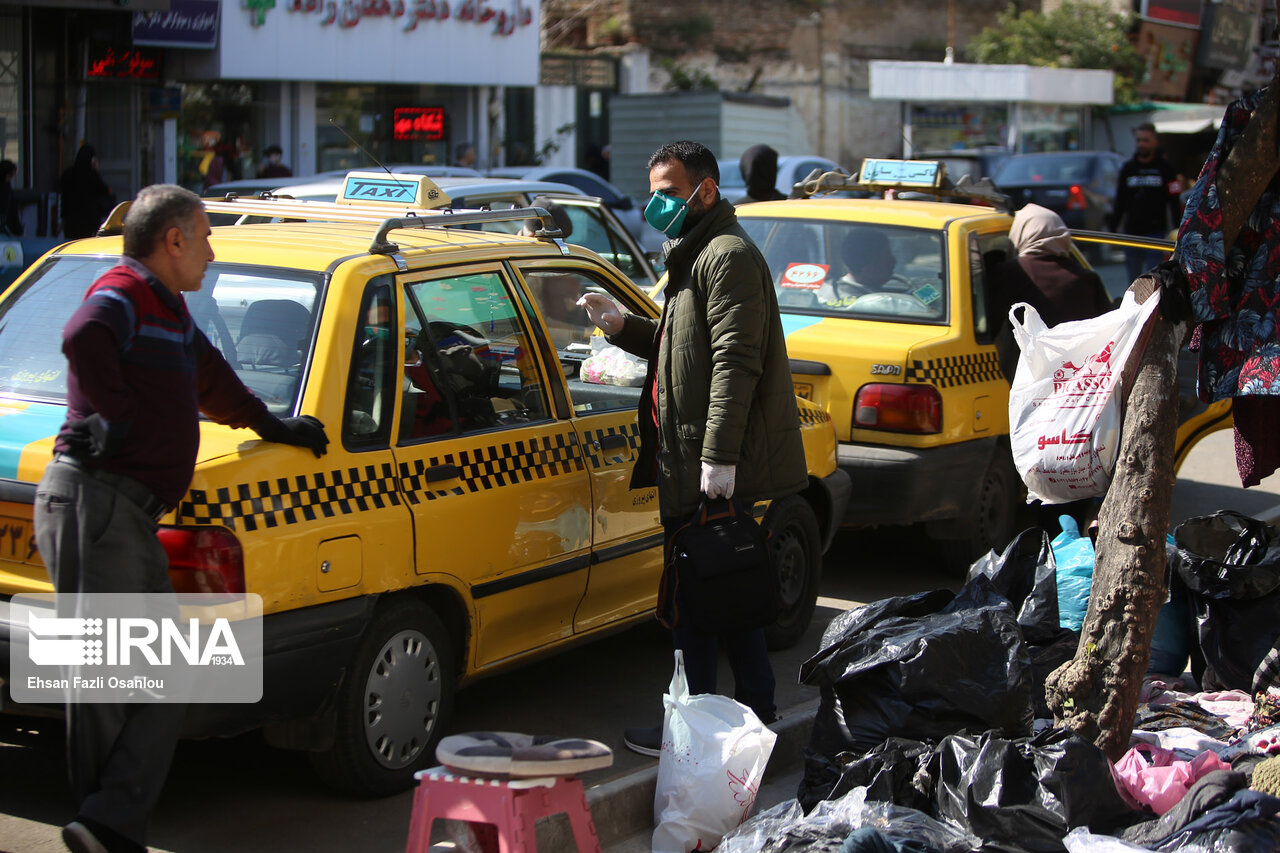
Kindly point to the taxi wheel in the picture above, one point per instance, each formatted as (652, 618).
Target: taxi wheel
(796, 548)
(393, 704)
(995, 518)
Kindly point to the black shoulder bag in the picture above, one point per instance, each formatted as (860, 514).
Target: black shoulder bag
(723, 580)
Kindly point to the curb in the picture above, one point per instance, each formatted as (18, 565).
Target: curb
(623, 807)
(1270, 515)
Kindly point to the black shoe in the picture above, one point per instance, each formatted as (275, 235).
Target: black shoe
(644, 740)
(80, 839)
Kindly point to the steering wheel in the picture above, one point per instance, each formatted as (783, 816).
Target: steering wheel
(889, 302)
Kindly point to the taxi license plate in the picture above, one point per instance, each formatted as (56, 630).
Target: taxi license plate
(803, 390)
(18, 541)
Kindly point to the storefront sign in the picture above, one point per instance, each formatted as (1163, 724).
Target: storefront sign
(346, 14)
(188, 23)
(1170, 52)
(1174, 11)
(1226, 40)
(419, 124)
(113, 62)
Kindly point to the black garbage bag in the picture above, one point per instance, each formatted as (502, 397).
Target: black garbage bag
(1230, 565)
(1024, 795)
(1026, 574)
(895, 771)
(917, 667)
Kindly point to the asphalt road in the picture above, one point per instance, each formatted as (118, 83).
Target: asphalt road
(239, 794)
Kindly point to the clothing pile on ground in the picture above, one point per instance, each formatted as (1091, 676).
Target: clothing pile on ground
(932, 732)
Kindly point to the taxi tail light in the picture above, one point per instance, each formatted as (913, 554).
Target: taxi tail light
(898, 408)
(1076, 199)
(203, 559)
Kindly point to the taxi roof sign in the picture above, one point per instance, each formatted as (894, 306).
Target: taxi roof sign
(395, 188)
(902, 173)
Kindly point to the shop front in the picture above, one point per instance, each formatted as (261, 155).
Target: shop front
(1017, 107)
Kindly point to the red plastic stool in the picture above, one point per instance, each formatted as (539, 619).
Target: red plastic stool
(512, 806)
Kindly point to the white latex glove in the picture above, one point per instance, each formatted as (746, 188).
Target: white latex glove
(717, 480)
(602, 311)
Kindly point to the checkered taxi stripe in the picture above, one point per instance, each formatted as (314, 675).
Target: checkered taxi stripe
(285, 500)
(954, 370)
(812, 416)
(493, 467)
(600, 452)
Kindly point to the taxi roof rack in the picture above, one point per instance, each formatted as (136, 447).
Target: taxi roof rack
(819, 183)
(388, 217)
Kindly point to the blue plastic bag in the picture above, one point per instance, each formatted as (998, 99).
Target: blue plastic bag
(1074, 556)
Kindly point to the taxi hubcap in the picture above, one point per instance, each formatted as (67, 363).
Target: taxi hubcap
(402, 699)
(789, 561)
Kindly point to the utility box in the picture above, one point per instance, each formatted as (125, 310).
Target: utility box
(726, 122)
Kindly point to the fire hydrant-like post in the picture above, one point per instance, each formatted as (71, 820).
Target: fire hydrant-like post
(1097, 692)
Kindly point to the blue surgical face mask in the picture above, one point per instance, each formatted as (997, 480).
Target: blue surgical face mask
(667, 213)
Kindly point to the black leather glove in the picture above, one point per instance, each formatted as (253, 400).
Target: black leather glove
(303, 431)
(1175, 297)
(94, 438)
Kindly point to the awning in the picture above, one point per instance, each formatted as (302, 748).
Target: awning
(1187, 125)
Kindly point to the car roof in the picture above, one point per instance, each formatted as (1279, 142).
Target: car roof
(315, 246)
(905, 212)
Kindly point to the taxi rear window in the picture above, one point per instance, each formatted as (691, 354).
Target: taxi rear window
(854, 269)
(260, 318)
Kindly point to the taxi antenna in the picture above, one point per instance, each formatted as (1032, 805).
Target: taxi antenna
(364, 150)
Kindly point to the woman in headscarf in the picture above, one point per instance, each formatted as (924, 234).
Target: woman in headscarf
(84, 198)
(1045, 273)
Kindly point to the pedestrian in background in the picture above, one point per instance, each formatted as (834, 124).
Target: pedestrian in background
(140, 372)
(83, 196)
(272, 167)
(718, 412)
(1146, 204)
(465, 155)
(759, 167)
(10, 218)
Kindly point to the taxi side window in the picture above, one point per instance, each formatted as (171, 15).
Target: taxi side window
(468, 359)
(591, 230)
(986, 252)
(370, 403)
(601, 377)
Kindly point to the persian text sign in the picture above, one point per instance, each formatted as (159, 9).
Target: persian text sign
(135, 648)
(188, 23)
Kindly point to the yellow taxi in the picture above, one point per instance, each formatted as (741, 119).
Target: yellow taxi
(891, 330)
(473, 508)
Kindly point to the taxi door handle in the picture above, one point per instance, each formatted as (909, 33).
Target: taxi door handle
(611, 442)
(441, 473)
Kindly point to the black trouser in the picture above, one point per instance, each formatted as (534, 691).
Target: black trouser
(95, 540)
(748, 655)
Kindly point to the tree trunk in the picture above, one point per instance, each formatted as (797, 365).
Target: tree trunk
(1097, 692)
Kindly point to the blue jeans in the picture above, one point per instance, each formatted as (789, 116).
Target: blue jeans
(1138, 261)
(748, 657)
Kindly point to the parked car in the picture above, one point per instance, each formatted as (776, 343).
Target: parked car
(908, 368)
(1080, 186)
(792, 169)
(977, 163)
(594, 224)
(253, 186)
(473, 510)
(629, 211)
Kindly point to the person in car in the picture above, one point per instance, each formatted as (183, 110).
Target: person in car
(869, 265)
(140, 373)
(718, 351)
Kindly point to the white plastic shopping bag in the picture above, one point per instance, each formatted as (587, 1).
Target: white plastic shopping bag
(1065, 406)
(714, 751)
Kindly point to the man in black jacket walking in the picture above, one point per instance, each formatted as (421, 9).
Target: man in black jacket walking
(1146, 198)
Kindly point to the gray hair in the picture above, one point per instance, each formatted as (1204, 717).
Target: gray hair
(158, 208)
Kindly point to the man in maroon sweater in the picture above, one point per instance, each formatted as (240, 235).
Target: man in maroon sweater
(140, 372)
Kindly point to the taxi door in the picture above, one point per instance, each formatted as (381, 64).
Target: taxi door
(497, 487)
(603, 394)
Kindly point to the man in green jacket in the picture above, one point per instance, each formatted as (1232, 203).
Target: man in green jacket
(718, 411)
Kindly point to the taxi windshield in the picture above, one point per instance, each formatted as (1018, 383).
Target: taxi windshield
(260, 318)
(854, 269)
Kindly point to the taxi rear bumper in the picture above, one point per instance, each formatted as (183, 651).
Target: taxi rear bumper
(305, 653)
(903, 485)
